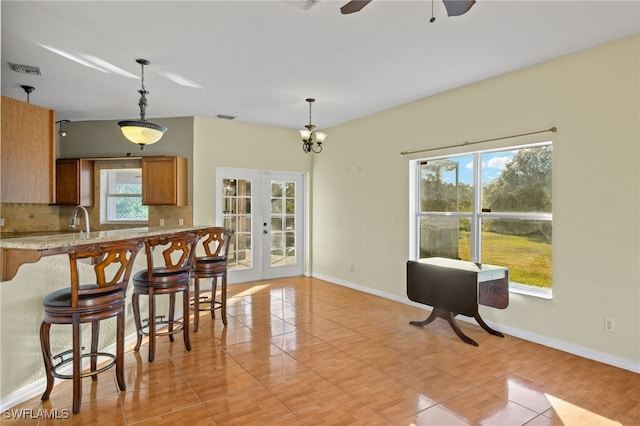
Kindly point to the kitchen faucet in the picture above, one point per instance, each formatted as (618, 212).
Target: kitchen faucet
(74, 218)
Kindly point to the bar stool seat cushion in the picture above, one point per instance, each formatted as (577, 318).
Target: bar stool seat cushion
(159, 276)
(213, 264)
(62, 298)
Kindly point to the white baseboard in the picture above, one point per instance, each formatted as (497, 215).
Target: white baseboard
(605, 358)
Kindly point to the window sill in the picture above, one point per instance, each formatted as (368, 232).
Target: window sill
(527, 290)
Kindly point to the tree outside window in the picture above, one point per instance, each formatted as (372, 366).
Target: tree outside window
(121, 192)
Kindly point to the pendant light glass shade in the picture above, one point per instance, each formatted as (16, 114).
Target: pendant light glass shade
(142, 132)
(305, 134)
(320, 137)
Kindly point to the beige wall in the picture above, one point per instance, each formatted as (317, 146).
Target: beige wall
(222, 143)
(361, 191)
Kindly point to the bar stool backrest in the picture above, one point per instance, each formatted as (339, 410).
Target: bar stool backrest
(178, 251)
(112, 266)
(216, 241)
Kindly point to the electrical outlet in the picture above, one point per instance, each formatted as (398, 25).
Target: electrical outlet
(352, 268)
(1, 221)
(609, 324)
(161, 222)
(180, 221)
(129, 308)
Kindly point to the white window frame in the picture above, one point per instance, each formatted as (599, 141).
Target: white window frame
(107, 210)
(475, 216)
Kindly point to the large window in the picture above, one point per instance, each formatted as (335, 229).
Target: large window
(121, 196)
(491, 207)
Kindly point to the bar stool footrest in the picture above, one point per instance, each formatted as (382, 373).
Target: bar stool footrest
(178, 327)
(64, 362)
(206, 300)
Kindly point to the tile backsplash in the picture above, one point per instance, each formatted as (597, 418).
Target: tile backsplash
(23, 217)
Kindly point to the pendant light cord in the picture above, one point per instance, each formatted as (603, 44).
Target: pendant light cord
(142, 103)
(142, 74)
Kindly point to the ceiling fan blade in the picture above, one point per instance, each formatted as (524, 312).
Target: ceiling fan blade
(457, 7)
(354, 6)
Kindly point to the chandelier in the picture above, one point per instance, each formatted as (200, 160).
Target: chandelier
(309, 136)
(141, 131)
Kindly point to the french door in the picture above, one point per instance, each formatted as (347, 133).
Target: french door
(266, 209)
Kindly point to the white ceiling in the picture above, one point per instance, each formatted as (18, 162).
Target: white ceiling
(259, 60)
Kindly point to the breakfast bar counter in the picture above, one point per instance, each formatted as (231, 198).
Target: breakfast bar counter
(15, 252)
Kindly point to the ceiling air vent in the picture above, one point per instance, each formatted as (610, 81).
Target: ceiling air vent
(25, 69)
(226, 117)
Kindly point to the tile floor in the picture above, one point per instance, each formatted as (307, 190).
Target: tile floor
(301, 351)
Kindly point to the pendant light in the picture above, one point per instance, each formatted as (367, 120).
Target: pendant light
(63, 133)
(142, 132)
(309, 136)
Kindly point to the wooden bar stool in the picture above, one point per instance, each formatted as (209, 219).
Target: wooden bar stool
(104, 297)
(212, 264)
(170, 278)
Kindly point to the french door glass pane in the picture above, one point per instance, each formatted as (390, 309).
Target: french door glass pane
(236, 215)
(283, 235)
(276, 224)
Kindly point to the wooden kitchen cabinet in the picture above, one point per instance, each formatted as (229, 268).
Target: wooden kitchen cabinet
(164, 181)
(28, 153)
(74, 182)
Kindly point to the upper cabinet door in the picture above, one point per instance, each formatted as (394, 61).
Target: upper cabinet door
(74, 182)
(164, 181)
(28, 153)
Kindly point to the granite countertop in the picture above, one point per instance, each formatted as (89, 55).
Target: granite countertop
(66, 239)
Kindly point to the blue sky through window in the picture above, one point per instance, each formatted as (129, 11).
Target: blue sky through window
(492, 165)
